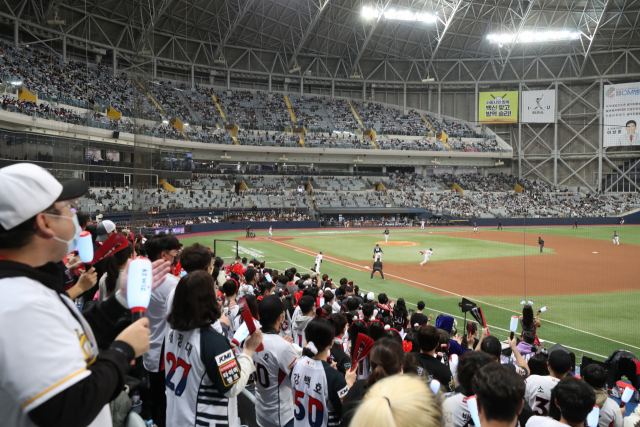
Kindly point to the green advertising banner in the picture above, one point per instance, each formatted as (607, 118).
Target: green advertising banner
(498, 107)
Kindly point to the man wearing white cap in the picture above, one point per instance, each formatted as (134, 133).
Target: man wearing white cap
(51, 371)
(105, 229)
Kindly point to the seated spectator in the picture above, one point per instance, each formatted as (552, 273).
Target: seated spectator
(399, 400)
(455, 410)
(491, 346)
(611, 414)
(500, 395)
(574, 400)
(525, 347)
(538, 394)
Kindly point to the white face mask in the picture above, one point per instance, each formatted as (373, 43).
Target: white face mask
(71, 244)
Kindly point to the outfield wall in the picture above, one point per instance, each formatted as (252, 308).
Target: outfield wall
(519, 222)
(242, 226)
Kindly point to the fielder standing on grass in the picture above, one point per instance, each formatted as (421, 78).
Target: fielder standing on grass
(386, 234)
(377, 253)
(271, 232)
(426, 254)
(316, 267)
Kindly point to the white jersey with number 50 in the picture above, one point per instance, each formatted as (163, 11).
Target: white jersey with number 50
(274, 405)
(538, 393)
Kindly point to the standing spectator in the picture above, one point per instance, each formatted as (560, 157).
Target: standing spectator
(401, 315)
(338, 355)
(202, 392)
(529, 324)
(574, 399)
(274, 405)
(500, 395)
(67, 381)
(307, 305)
(491, 345)
(159, 247)
(419, 318)
(429, 365)
(113, 269)
(526, 347)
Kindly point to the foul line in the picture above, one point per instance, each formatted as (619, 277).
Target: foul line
(338, 261)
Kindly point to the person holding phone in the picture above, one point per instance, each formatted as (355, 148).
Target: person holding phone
(203, 374)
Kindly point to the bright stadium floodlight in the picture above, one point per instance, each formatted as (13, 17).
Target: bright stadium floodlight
(369, 12)
(533, 36)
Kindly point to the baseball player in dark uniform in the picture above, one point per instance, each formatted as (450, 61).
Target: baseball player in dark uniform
(475, 227)
(541, 243)
(499, 225)
(377, 253)
(377, 266)
(249, 230)
(386, 235)
(575, 224)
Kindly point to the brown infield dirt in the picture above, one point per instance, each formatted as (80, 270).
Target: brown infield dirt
(572, 269)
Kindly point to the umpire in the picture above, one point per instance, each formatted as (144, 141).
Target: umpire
(541, 243)
(377, 266)
(249, 230)
(499, 225)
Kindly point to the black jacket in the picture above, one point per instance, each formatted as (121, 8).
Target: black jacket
(80, 403)
(377, 264)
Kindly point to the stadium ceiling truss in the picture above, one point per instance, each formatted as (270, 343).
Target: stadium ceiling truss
(328, 42)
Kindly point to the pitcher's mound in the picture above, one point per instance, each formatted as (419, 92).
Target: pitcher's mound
(396, 243)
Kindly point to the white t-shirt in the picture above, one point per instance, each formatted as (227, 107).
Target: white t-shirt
(45, 348)
(274, 405)
(610, 415)
(538, 421)
(538, 393)
(455, 412)
(157, 315)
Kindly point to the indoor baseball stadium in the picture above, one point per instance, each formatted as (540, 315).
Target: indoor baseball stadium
(407, 213)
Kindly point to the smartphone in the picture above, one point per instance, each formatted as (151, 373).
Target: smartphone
(241, 334)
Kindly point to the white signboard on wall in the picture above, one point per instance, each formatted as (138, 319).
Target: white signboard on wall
(538, 106)
(621, 115)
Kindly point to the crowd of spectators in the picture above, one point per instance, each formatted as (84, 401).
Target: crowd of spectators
(317, 346)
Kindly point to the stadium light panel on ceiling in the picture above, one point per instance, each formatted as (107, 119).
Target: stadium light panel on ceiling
(533, 36)
(398, 15)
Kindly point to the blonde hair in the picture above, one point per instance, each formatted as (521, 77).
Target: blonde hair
(399, 401)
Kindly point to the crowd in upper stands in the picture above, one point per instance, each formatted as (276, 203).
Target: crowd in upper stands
(65, 86)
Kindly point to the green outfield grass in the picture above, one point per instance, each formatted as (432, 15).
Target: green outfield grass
(445, 248)
(611, 315)
(628, 234)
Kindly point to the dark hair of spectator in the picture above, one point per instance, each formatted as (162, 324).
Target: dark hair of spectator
(112, 267)
(386, 359)
(367, 310)
(266, 288)
(491, 346)
(194, 304)
(217, 265)
(268, 318)
(499, 391)
(428, 338)
(421, 305)
(230, 287)
(357, 327)
(195, 257)
(575, 399)
(161, 242)
(250, 275)
(529, 337)
(306, 304)
(376, 330)
(328, 297)
(320, 331)
(538, 365)
(469, 363)
(527, 317)
(83, 218)
(339, 324)
(352, 304)
(595, 376)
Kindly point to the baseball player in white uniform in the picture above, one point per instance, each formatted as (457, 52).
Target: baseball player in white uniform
(270, 232)
(377, 253)
(426, 254)
(616, 241)
(386, 235)
(475, 227)
(422, 224)
(316, 267)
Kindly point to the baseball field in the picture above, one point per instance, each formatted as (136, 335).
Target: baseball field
(591, 286)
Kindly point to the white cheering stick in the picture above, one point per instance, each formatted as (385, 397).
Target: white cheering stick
(543, 309)
(593, 417)
(513, 326)
(85, 247)
(435, 386)
(139, 282)
(472, 404)
(626, 396)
